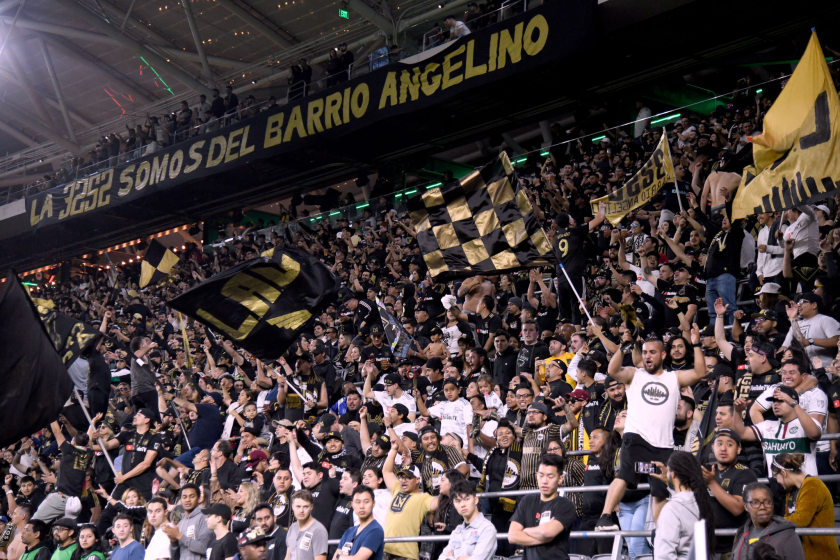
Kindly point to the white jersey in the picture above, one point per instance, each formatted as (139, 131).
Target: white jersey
(652, 407)
(777, 437)
(812, 401)
(454, 416)
(386, 401)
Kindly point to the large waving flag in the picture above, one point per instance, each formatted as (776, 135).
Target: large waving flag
(797, 158)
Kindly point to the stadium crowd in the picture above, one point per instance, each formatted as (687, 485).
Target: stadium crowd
(508, 385)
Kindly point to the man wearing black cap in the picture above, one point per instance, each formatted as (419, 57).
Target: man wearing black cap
(377, 352)
(375, 446)
(142, 448)
(308, 384)
(569, 249)
(393, 393)
(818, 333)
(793, 430)
(726, 480)
(223, 546)
(252, 545)
(332, 453)
(315, 478)
(536, 435)
(425, 323)
(323, 367)
(766, 323)
(366, 313)
(604, 411)
(65, 534)
(686, 295)
(485, 320)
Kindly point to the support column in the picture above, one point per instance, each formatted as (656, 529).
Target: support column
(199, 47)
(57, 87)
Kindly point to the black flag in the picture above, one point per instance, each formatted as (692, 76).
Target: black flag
(34, 379)
(157, 263)
(265, 303)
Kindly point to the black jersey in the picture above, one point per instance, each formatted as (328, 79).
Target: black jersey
(569, 249)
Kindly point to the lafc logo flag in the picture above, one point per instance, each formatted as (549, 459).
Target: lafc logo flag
(479, 225)
(157, 263)
(34, 379)
(796, 156)
(654, 174)
(264, 304)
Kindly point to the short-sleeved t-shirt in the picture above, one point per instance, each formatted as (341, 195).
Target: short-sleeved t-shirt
(777, 437)
(387, 401)
(71, 473)
(306, 544)
(733, 480)
(569, 249)
(225, 547)
(454, 416)
(142, 376)
(533, 512)
(371, 537)
(136, 446)
(818, 326)
(405, 514)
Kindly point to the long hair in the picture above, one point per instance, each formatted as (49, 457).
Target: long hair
(443, 501)
(252, 498)
(609, 455)
(97, 543)
(685, 467)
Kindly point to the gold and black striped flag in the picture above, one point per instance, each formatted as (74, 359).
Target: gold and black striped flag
(481, 224)
(157, 263)
(264, 304)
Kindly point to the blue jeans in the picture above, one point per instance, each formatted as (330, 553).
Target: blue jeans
(631, 517)
(721, 287)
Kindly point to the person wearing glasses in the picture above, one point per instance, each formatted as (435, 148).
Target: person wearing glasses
(65, 532)
(764, 527)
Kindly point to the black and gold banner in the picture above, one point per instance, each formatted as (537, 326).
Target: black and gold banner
(157, 263)
(34, 378)
(265, 303)
(520, 43)
(479, 225)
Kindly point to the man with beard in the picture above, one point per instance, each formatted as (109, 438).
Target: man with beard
(685, 426)
(603, 413)
(437, 459)
(537, 433)
(280, 499)
(677, 348)
(653, 395)
(333, 451)
(501, 472)
(726, 480)
(276, 545)
(766, 323)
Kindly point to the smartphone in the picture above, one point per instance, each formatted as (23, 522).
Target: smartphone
(646, 468)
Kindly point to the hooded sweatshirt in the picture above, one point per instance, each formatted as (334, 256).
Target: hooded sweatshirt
(673, 539)
(780, 533)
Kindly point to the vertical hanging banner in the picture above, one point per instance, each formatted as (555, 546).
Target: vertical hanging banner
(796, 156)
(654, 174)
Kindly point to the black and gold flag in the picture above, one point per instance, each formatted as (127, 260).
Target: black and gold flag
(479, 225)
(34, 379)
(69, 336)
(157, 263)
(265, 303)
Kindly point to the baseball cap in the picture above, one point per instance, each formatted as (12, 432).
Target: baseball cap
(392, 379)
(578, 394)
(412, 436)
(218, 509)
(789, 391)
(538, 406)
(720, 370)
(812, 297)
(426, 430)
(319, 348)
(435, 330)
(708, 330)
(382, 441)
(410, 470)
(347, 297)
(823, 208)
(67, 522)
(610, 381)
(285, 423)
(730, 433)
(770, 288)
(451, 381)
(146, 413)
(768, 314)
(251, 536)
(376, 330)
(255, 457)
(251, 430)
(305, 356)
(333, 435)
(137, 316)
(766, 349)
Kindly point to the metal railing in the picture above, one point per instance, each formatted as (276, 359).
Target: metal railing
(485, 19)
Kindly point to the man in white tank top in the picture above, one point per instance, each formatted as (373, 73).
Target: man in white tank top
(652, 398)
